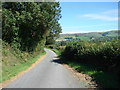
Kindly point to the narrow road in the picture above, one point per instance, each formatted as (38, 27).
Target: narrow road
(49, 73)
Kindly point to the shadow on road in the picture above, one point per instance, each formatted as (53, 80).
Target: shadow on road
(57, 60)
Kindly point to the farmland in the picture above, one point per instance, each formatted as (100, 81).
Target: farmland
(90, 36)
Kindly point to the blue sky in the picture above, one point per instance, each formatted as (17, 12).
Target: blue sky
(88, 16)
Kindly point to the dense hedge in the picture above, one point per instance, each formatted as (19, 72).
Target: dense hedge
(104, 55)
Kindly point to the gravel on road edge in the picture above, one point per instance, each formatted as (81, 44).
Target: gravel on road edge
(82, 77)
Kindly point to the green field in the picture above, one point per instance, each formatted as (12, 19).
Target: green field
(90, 36)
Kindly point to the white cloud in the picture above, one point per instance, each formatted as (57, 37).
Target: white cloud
(110, 15)
(101, 17)
(112, 11)
(96, 25)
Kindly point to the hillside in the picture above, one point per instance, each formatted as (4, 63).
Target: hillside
(89, 36)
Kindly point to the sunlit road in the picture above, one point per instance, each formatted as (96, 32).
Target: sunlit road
(49, 73)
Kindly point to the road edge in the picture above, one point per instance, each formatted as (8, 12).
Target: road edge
(82, 77)
(5, 83)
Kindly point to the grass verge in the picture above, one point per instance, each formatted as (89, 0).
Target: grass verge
(57, 52)
(103, 79)
(10, 71)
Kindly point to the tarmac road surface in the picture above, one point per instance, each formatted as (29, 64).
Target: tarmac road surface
(49, 73)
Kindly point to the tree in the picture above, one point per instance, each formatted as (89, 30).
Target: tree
(54, 34)
(27, 25)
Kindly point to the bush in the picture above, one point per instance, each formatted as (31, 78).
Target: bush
(50, 46)
(102, 54)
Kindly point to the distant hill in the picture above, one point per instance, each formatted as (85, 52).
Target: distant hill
(89, 36)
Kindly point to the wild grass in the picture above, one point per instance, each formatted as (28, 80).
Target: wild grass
(103, 79)
(57, 52)
(15, 61)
